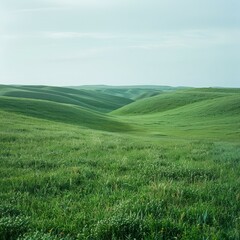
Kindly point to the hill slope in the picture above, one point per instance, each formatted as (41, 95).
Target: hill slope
(65, 113)
(86, 98)
(212, 118)
(169, 101)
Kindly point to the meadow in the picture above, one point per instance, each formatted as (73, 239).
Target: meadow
(130, 163)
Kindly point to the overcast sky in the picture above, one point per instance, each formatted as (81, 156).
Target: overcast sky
(120, 42)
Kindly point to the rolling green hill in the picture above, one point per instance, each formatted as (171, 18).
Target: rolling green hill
(65, 113)
(163, 167)
(166, 113)
(216, 107)
(86, 98)
(169, 101)
(217, 118)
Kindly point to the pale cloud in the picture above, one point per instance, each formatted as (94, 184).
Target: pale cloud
(190, 39)
(38, 9)
(85, 3)
(77, 35)
(83, 55)
(57, 5)
(186, 38)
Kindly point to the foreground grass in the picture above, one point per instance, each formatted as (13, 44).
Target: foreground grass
(61, 181)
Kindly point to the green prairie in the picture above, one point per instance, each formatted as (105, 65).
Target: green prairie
(100, 162)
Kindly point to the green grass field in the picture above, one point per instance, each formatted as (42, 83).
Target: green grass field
(88, 163)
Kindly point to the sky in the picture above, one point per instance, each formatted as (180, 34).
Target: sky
(120, 42)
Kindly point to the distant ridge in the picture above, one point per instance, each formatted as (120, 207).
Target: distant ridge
(133, 92)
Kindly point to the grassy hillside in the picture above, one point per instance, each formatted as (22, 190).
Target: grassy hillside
(215, 118)
(148, 94)
(65, 113)
(169, 101)
(85, 98)
(216, 107)
(168, 170)
(60, 182)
